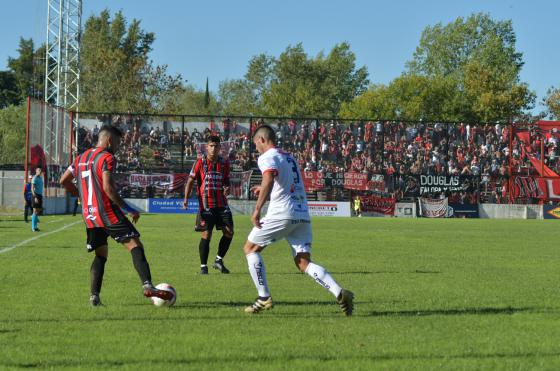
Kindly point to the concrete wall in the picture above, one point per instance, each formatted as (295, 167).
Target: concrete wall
(11, 189)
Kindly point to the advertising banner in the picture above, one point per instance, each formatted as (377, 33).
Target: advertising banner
(551, 212)
(172, 206)
(405, 210)
(462, 211)
(328, 208)
(377, 205)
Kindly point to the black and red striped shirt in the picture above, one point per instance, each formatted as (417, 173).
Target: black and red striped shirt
(211, 178)
(97, 208)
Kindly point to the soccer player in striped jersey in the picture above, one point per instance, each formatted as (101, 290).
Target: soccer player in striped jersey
(211, 173)
(287, 217)
(101, 210)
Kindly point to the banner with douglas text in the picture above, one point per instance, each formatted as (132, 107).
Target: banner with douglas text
(319, 180)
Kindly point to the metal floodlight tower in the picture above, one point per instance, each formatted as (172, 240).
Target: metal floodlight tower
(62, 66)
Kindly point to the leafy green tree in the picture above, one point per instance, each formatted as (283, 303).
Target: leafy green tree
(117, 74)
(192, 101)
(552, 101)
(300, 85)
(237, 97)
(28, 69)
(9, 93)
(12, 134)
(295, 84)
(478, 55)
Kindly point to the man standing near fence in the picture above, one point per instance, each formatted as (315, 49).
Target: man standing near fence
(28, 198)
(211, 173)
(37, 192)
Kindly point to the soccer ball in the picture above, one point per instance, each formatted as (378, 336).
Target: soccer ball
(164, 303)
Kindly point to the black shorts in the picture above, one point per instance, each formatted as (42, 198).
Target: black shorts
(218, 217)
(120, 232)
(37, 202)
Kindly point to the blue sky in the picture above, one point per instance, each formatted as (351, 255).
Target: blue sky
(217, 38)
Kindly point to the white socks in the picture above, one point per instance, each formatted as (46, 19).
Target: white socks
(258, 273)
(323, 278)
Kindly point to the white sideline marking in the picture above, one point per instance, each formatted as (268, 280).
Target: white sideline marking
(9, 248)
(54, 221)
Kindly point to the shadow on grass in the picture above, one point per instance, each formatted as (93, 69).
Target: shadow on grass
(9, 331)
(451, 312)
(237, 360)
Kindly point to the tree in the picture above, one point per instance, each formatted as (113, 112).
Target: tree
(478, 54)
(552, 101)
(9, 92)
(193, 101)
(237, 98)
(117, 74)
(12, 134)
(318, 86)
(28, 70)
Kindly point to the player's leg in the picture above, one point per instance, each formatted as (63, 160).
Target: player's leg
(225, 223)
(136, 249)
(272, 230)
(206, 225)
(97, 242)
(125, 233)
(300, 240)
(26, 210)
(258, 274)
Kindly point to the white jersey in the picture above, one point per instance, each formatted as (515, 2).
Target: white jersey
(287, 199)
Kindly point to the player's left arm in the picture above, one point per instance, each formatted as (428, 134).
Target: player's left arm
(225, 179)
(67, 182)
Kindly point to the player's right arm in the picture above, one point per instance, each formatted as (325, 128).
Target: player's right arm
(190, 182)
(66, 182)
(264, 193)
(188, 189)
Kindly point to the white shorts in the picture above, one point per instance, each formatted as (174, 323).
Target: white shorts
(296, 231)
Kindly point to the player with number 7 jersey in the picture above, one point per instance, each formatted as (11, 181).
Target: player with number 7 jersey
(101, 210)
(97, 208)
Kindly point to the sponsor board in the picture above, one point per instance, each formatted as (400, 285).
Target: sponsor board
(462, 211)
(172, 206)
(405, 210)
(551, 212)
(327, 208)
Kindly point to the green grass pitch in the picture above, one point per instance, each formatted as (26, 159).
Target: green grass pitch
(430, 294)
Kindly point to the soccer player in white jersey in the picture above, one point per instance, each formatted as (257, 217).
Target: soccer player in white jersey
(287, 217)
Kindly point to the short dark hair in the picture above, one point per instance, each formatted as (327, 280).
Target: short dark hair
(112, 130)
(267, 133)
(213, 139)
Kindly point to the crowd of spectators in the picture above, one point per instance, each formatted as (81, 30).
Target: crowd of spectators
(396, 150)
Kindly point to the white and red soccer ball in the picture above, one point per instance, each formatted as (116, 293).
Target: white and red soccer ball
(164, 303)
